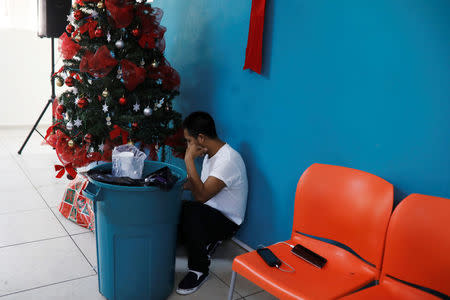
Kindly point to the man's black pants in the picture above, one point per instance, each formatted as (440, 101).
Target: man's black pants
(199, 226)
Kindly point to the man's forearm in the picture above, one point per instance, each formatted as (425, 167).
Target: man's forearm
(194, 178)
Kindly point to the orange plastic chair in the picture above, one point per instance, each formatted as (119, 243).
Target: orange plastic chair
(416, 262)
(343, 205)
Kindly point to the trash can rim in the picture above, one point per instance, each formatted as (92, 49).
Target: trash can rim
(123, 188)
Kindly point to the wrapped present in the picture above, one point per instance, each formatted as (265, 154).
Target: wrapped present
(77, 207)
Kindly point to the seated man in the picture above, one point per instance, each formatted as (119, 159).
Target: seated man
(220, 195)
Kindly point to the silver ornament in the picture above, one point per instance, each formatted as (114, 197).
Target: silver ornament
(108, 118)
(108, 123)
(147, 111)
(142, 62)
(120, 44)
(69, 125)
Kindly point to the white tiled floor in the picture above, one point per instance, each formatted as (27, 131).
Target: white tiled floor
(45, 256)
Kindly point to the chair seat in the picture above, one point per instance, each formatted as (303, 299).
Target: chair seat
(342, 274)
(391, 289)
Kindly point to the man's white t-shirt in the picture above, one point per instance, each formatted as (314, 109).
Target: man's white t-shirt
(228, 166)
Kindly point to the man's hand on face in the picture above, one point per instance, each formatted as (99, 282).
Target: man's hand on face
(193, 151)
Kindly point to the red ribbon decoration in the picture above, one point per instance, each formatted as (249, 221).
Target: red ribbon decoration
(76, 76)
(98, 64)
(132, 74)
(62, 169)
(90, 26)
(121, 11)
(67, 46)
(59, 71)
(50, 129)
(253, 55)
(119, 131)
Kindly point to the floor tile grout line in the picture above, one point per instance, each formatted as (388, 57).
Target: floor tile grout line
(80, 233)
(256, 293)
(35, 241)
(220, 279)
(42, 286)
(51, 210)
(22, 211)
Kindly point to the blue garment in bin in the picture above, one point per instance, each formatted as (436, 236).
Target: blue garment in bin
(136, 230)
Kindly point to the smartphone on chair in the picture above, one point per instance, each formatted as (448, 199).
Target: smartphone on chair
(309, 256)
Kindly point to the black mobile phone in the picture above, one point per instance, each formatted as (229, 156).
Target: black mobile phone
(309, 256)
(269, 257)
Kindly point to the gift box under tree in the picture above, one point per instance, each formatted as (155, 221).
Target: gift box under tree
(77, 207)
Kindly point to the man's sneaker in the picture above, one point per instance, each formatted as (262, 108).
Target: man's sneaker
(191, 282)
(212, 247)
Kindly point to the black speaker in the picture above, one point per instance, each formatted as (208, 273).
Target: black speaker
(52, 17)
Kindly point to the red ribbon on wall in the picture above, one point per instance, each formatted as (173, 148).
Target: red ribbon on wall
(253, 55)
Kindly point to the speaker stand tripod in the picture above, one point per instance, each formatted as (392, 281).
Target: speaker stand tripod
(49, 102)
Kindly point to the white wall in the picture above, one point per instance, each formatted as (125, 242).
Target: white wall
(25, 65)
(25, 62)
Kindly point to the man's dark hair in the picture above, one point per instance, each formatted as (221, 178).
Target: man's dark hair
(200, 122)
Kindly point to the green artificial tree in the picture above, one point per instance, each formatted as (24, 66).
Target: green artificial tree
(120, 86)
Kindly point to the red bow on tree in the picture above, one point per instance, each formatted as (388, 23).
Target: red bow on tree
(132, 74)
(121, 12)
(253, 55)
(62, 169)
(98, 64)
(90, 26)
(67, 46)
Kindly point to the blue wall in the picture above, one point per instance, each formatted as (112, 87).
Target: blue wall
(362, 84)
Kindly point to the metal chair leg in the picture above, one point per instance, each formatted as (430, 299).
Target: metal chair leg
(233, 281)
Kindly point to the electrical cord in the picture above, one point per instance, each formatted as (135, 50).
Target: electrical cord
(283, 262)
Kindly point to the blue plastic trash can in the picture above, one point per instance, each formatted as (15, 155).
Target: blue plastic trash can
(136, 231)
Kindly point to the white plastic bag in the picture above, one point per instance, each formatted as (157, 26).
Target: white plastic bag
(128, 161)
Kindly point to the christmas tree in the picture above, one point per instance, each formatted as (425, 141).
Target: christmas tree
(120, 86)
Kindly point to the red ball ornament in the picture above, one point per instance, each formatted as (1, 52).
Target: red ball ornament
(136, 32)
(88, 138)
(69, 81)
(60, 109)
(123, 101)
(78, 14)
(70, 28)
(82, 103)
(98, 32)
(134, 125)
